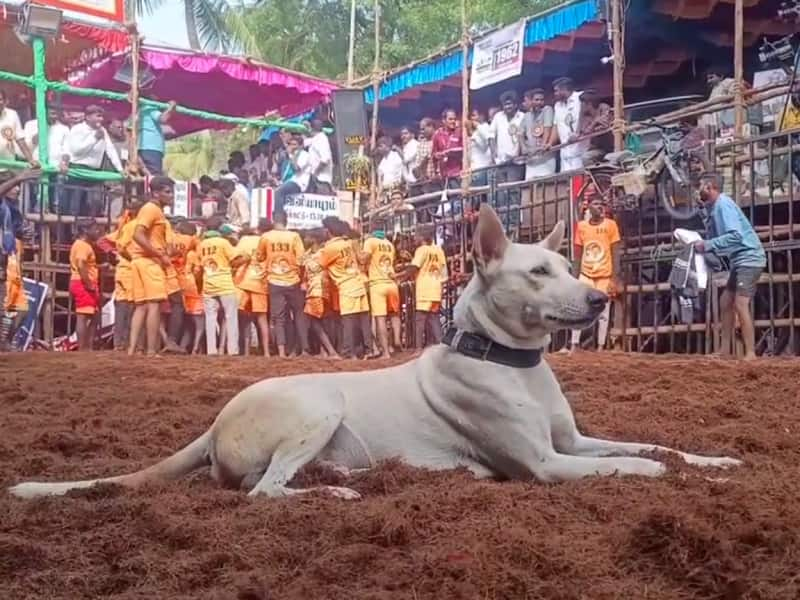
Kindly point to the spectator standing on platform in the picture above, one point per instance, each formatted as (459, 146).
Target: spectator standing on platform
(567, 115)
(238, 210)
(390, 167)
(537, 129)
(151, 136)
(409, 153)
(791, 120)
(448, 150)
(12, 135)
(730, 234)
(596, 116)
(506, 129)
(321, 157)
(480, 153)
(57, 136)
(425, 169)
(296, 175)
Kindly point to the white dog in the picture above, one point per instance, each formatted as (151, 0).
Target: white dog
(483, 400)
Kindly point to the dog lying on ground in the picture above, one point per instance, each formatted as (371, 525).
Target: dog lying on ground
(484, 400)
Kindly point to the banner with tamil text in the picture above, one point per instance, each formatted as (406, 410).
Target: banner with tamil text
(306, 211)
(497, 56)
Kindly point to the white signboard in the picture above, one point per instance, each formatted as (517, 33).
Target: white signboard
(498, 56)
(260, 204)
(180, 203)
(306, 211)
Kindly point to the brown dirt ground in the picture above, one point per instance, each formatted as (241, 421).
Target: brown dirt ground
(416, 534)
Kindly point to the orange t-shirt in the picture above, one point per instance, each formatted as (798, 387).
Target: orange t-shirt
(188, 279)
(82, 251)
(182, 244)
(318, 282)
(339, 258)
(432, 265)
(216, 254)
(14, 265)
(152, 218)
(381, 260)
(125, 241)
(281, 252)
(596, 240)
(251, 276)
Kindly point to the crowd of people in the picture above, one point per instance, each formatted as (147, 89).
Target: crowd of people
(315, 291)
(533, 139)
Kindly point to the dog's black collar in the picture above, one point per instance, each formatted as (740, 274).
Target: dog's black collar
(480, 347)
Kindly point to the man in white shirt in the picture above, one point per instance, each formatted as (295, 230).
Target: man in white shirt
(506, 129)
(480, 151)
(300, 172)
(566, 120)
(390, 169)
(56, 136)
(410, 146)
(319, 151)
(12, 135)
(86, 145)
(238, 212)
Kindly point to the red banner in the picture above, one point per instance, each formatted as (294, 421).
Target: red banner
(113, 10)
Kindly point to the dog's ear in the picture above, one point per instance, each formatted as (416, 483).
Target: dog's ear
(490, 241)
(554, 239)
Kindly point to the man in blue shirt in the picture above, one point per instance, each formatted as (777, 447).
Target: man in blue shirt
(732, 235)
(151, 136)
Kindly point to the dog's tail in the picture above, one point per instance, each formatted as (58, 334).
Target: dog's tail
(184, 461)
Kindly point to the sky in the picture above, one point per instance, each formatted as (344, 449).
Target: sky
(166, 25)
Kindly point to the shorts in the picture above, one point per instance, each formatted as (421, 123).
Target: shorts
(428, 306)
(193, 305)
(173, 283)
(316, 307)
(601, 284)
(15, 300)
(123, 285)
(253, 302)
(349, 305)
(743, 281)
(86, 302)
(149, 281)
(384, 299)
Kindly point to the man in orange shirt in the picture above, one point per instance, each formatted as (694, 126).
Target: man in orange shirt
(429, 268)
(281, 252)
(384, 295)
(339, 258)
(149, 264)
(597, 260)
(178, 245)
(189, 278)
(84, 285)
(16, 301)
(251, 286)
(219, 259)
(123, 276)
(318, 291)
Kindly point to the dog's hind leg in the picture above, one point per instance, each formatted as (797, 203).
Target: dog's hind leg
(293, 453)
(582, 445)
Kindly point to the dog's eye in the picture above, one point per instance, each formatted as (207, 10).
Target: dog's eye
(541, 270)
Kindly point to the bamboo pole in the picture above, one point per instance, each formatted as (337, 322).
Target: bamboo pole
(352, 48)
(466, 171)
(133, 141)
(738, 67)
(376, 87)
(617, 38)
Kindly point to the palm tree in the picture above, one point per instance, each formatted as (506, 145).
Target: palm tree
(205, 21)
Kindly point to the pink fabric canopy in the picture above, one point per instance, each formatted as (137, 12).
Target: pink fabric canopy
(220, 84)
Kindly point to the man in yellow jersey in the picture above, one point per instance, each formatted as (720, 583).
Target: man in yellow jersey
(384, 295)
(281, 251)
(190, 279)
(16, 301)
(149, 264)
(84, 284)
(429, 268)
(177, 247)
(318, 291)
(123, 276)
(251, 286)
(339, 258)
(219, 259)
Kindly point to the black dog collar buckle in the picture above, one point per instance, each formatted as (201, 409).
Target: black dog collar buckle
(482, 348)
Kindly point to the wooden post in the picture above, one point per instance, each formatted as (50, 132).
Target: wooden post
(738, 67)
(466, 170)
(352, 48)
(618, 44)
(376, 88)
(133, 141)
